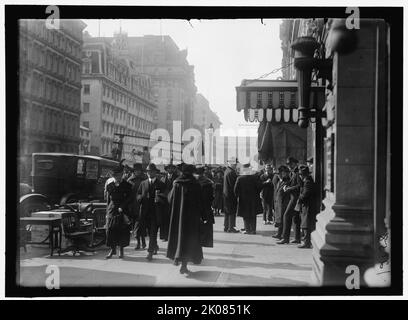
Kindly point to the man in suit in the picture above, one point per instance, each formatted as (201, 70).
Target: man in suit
(153, 199)
(281, 199)
(291, 215)
(230, 200)
(307, 202)
(267, 194)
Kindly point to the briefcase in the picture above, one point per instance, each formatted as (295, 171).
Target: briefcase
(206, 234)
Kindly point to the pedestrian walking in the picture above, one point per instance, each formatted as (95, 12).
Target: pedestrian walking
(119, 196)
(187, 211)
(152, 198)
(308, 207)
(247, 190)
(230, 200)
(139, 227)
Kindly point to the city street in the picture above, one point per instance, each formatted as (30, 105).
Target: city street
(235, 260)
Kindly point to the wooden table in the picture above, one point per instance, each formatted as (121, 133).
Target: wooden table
(54, 225)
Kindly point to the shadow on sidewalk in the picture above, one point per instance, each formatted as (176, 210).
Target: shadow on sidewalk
(232, 264)
(232, 279)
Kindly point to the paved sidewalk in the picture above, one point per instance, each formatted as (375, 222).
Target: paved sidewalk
(236, 260)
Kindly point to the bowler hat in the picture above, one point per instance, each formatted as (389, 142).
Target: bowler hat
(291, 160)
(151, 167)
(137, 166)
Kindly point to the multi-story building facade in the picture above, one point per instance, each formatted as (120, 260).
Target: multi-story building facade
(50, 86)
(116, 99)
(172, 77)
(203, 115)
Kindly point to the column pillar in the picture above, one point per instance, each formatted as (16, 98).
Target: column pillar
(344, 232)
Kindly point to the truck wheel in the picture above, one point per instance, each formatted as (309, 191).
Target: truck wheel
(30, 203)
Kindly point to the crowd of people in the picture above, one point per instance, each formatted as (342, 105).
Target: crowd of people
(179, 205)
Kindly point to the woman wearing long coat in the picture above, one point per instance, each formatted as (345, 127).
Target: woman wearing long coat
(208, 198)
(186, 211)
(119, 197)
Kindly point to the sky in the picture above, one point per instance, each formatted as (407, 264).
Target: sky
(223, 53)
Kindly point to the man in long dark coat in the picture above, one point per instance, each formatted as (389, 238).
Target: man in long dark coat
(139, 228)
(247, 189)
(218, 203)
(152, 198)
(267, 194)
(291, 215)
(230, 200)
(168, 179)
(186, 211)
(281, 199)
(119, 196)
(307, 202)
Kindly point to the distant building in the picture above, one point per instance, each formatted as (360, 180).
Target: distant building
(172, 77)
(85, 135)
(116, 99)
(50, 86)
(203, 115)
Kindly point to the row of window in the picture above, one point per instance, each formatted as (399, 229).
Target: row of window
(43, 87)
(43, 119)
(53, 37)
(139, 125)
(110, 92)
(51, 61)
(131, 120)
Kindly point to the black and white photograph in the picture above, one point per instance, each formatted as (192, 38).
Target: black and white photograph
(222, 150)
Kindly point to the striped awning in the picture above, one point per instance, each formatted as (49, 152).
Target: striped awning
(274, 100)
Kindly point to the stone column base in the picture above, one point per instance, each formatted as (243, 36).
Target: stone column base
(343, 237)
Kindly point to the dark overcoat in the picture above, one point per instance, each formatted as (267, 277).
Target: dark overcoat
(281, 200)
(230, 200)
(187, 210)
(295, 184)
(307, 203)
(149, 209)
(207, 192)
(267, 188)
(117, 230)
(218, 198)
(134, 207)
(247, 190)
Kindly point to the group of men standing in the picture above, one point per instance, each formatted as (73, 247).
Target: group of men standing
(286, 197)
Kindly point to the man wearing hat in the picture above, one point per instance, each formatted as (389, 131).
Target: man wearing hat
(307, 202)
(139, 229)
(152, 199)
(281, 199)
(267, 194)
(247, 189)
(230, 200)
(291, 215)
(167, 179)
(119, 197)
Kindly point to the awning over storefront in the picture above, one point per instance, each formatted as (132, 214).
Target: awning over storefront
(274, 101)
(274, 104)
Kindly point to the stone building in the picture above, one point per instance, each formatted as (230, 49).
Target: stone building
(116, 99)
(85, 135)
(172, 78)
(203, 115)
(50, 86)
(350, 144)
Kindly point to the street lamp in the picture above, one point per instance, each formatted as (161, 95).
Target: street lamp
(210, 131)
